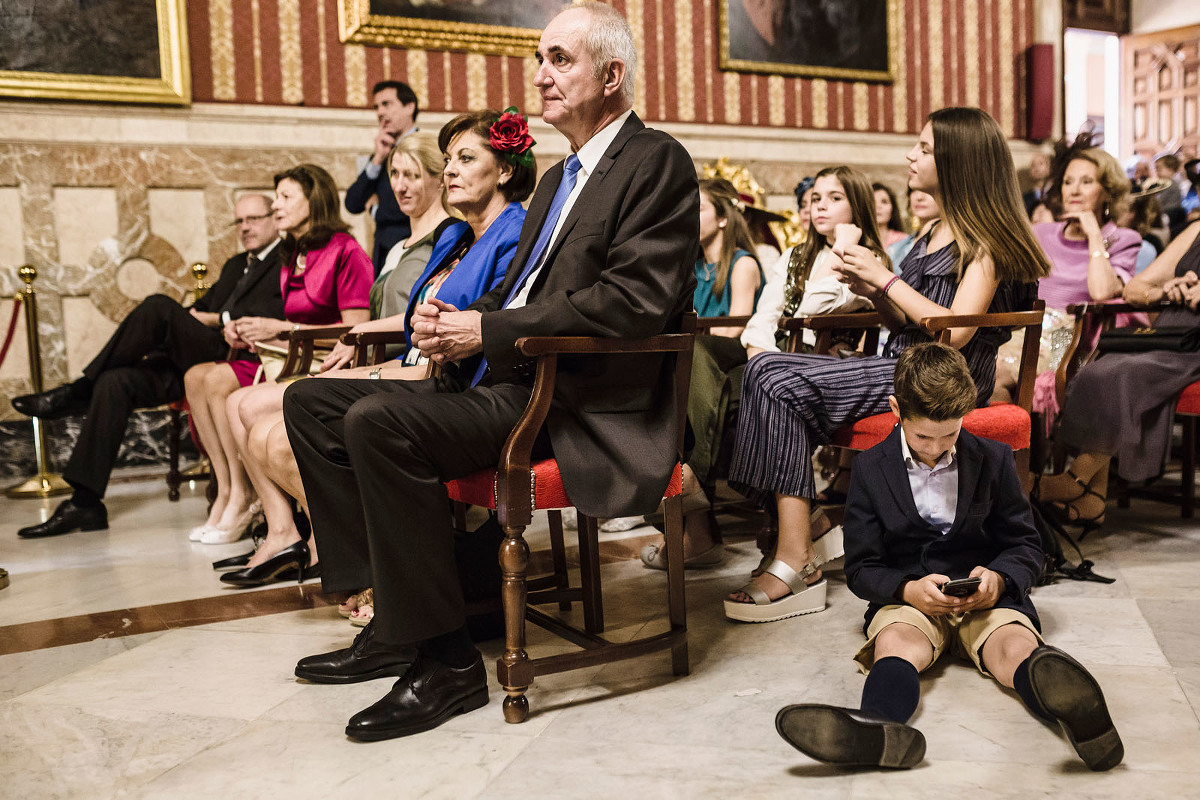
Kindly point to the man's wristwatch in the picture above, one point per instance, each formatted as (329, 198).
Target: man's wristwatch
(374, 374)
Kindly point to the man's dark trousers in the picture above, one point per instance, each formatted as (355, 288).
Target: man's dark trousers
(357, 439)
(142, 365)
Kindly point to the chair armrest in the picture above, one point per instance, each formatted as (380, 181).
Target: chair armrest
(830, 322)
(708, 323)
(1012, 319)
(513, 482)
(370, 347)
(302, 344)
(1106, 308)
(536, 346)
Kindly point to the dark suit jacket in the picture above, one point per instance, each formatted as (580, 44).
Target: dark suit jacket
(391, 224)
(887, 541)
(259, 298)
(622, 266)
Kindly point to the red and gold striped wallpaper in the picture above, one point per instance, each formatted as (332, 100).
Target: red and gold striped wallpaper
(951, 52)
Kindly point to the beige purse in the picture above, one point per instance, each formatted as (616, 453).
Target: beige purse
(273, 358)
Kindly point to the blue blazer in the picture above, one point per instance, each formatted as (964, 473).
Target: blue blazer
(481, 269)
(888, 542)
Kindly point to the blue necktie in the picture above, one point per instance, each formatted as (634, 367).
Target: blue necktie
(565, 186)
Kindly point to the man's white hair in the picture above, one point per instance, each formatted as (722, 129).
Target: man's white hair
(608, 37)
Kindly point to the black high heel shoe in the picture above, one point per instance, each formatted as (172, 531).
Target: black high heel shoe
(1066, 513)
(291, 561)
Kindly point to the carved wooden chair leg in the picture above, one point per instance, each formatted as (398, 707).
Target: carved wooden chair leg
(1187, 478)
(558, 553)
(677, 607)
(589, 574)
(174, 476)
(513, 669)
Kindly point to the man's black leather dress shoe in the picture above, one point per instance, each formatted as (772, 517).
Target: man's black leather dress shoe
(428, 695)
(850, 738)
(68, 518)
(1068, 692)
(365, 660)
(53, 404)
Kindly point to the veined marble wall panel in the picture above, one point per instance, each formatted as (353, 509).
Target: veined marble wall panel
(86, 330)
(85, 218)
(178, 215)
(12, 243)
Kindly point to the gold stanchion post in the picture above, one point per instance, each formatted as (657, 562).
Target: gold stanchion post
(45, 483)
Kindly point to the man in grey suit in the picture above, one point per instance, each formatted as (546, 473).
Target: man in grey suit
(608, 249)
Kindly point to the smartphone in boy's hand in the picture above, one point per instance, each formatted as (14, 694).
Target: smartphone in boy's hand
(963, 587)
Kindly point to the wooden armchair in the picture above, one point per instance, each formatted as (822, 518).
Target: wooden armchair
(518, 486)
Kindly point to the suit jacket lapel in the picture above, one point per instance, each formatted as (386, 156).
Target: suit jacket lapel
(632, 125)
(968, 477)
(895, 474)
(269, 264)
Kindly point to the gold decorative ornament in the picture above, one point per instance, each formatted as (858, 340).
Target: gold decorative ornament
(784, 224)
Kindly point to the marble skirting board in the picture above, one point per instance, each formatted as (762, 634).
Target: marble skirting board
(145, 445)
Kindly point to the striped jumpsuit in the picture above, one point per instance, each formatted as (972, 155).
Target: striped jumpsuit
(791, 402)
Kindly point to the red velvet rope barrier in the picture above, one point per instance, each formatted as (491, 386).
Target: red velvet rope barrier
(12, 327)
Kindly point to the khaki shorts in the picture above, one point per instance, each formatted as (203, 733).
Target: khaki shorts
(964, 633)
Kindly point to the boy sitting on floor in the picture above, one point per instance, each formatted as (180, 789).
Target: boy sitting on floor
(930, 504)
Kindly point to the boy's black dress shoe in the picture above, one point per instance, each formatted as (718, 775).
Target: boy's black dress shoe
(849, 738)
(429, 694)
(53, 404)
(1071, 695)
(68, 518)
(365, 660)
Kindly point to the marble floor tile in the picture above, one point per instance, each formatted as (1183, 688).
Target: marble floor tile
(1100, 631)
(24, 672)
(1189, 681)
(667, 768)
(191, 671)
(50, 751)
(305, 760)
(1174, 625)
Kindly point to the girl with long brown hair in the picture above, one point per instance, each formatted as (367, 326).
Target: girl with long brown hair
(981, 257)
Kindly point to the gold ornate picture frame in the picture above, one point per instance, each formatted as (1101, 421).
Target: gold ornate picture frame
(448, 24)
(104, 53)
(849, 40)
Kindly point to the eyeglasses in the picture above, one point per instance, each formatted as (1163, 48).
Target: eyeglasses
(249, 220)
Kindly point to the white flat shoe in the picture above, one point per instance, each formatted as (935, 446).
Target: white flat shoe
(241, 526)
(197, 533)
(804, 599)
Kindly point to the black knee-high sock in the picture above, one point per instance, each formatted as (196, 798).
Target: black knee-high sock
(1025, 690)
(892, 690)
(454, 649)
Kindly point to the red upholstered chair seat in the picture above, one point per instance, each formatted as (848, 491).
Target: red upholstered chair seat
(479, 488)
(1189, 401)
(1003, 422)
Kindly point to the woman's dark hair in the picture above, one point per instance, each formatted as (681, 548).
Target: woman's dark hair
(862, 213)
(896, 221)
(728, 205)
(803, 186)
(324, 208)
(524, 177)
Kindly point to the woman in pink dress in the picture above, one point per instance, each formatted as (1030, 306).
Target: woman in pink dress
(326, 279)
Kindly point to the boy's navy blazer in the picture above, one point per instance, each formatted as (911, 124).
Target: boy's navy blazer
(887, 541)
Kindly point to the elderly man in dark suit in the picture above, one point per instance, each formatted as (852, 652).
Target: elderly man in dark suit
(608, 249)
(142, 365)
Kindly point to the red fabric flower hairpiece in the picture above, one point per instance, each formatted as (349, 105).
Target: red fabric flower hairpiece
(509, 135)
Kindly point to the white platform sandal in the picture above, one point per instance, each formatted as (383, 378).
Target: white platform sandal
(804, 599)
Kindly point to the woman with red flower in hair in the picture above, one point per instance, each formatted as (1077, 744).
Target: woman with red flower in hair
(490, 169)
